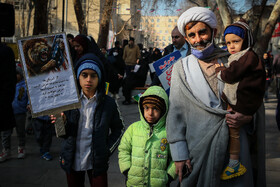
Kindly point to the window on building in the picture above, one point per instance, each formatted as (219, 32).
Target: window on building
(175, 20)
(163, 43)
(163, 38)
(169, 20)
(169, 25)
(166, 31)
(160, 31)
(157, 25)
(157, 38)
(152, 20)
(19, 5)
(158, 20)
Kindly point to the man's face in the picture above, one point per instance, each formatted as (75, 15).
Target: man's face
(178, 39)
(199, 36)
(131, 42)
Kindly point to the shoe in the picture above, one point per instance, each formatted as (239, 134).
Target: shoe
(21, 152)
(126, 102)
(230, 173)
(5, 155)
(47, 156)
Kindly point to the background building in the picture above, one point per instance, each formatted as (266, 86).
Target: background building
(156, 30)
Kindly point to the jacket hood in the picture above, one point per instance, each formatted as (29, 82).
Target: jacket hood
(158, 92)
(101, 84)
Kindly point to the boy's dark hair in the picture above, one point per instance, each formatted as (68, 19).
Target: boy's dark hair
(70, 36)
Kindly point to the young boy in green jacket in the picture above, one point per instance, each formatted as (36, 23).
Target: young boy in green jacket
(144, 154)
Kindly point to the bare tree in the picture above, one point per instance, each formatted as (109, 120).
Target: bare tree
(224, 12)
(22, 5)
(80, 17)
(114, 29)
(104, 23)
(262, 42)
(30, 8)
(40, 17)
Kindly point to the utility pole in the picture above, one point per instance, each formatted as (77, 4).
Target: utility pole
(63, 7)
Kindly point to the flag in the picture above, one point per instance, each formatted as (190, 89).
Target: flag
(106, 87)
(127, 8)
(137, 97)
(152, 10)
(138, 10)
(179, 9)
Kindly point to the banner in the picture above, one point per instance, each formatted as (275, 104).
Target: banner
(49, 75)
(163, 68)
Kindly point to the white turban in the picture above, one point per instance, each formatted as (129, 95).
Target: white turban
(196, 14)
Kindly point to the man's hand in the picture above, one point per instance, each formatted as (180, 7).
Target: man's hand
(180, 166)
(235, 119)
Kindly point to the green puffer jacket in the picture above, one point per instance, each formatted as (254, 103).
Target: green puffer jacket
(147, 157)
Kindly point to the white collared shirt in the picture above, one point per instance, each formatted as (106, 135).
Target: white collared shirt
(83, 159)
(183, 50)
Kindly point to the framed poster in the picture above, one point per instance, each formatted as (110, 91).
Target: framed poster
(49, 75)
(163, 68)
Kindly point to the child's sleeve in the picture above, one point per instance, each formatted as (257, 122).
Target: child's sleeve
(239, 68)
(125, 149)
(117, 129)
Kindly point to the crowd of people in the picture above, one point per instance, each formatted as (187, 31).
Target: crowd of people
(203, 132)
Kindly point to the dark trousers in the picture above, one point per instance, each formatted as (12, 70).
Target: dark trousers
(43, 131)
(128, 69)
(77, 179)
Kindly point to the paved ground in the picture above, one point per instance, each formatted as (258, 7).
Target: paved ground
(35, 172)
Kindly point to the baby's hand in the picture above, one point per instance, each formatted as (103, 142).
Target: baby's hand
(219, 65)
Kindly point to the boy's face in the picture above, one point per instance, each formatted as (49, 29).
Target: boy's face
(89, 81)
(151, 113)
(234, 43)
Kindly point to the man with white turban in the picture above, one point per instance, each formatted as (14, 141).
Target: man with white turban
(197, 121)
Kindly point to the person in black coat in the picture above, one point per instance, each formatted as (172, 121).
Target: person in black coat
(8, 86)
(116, 60)
(93, 131)
(137, 78)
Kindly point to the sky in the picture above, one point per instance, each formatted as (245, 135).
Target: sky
(240, 5)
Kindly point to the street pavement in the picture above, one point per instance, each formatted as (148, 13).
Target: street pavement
(36, 172)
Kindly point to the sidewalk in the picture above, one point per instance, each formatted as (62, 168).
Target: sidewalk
(36, 172)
